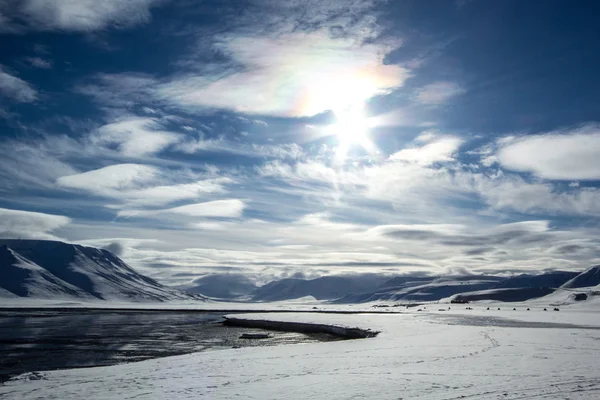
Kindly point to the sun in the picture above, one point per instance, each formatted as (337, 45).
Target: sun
(351, 127)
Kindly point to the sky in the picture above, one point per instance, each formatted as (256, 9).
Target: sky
(278, 138)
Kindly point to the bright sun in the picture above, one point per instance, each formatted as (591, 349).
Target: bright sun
(351, 128)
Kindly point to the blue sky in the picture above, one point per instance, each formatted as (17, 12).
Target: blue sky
(279, 138)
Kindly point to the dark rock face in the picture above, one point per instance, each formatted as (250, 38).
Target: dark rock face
(579, 296)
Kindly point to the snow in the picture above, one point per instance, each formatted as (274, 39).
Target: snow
(417, 355)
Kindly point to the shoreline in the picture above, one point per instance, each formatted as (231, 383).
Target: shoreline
(195, 310)
(300, 327)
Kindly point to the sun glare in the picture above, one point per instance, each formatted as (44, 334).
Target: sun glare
(351, 129)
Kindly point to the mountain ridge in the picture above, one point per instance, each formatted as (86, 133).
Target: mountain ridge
(48, 269)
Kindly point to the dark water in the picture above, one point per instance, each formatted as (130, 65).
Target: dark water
(47, 340)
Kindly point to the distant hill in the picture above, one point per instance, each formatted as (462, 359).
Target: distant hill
(51, 269)
(552, 279)
(507, 295)
(221, 286)
(588, 278)
(421, 289)
(323, 288)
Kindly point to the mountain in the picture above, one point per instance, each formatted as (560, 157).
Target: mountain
(424, 289)
(222, 286)
(552, 279)
(507, 295)
(24, 278)
(52, 269)
(323, 288)
(588, 278)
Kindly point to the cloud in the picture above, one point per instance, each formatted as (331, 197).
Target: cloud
(229, 208)
(512, 192)
(135, 136)
(38, 62)
(26, 165)
(222, 145)
(75, 15)
(18, 224)
(121, 90)
(140, 185)
(114, 177)
(562, 155)
(439, 92)
(290, 59)
(16, 88)
(437, 150)
(292, 74)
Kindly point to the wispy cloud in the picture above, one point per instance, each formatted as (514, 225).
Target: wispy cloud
(79, 16)
(228, 208)
(29, 225)
(39, 62)
(439, 92)
(141, 185)
(16, 88)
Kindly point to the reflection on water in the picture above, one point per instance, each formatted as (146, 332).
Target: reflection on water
(46, 340)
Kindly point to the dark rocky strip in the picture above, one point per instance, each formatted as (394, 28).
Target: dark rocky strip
(302, 327)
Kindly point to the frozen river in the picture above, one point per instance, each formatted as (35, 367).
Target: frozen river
(49, 340)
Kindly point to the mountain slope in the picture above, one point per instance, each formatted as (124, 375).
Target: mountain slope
(222, 286)
(42, 269)
(552, 279)
(424, 289)
(24, 278)
(505, 294)
(588, 278)
(323, 288)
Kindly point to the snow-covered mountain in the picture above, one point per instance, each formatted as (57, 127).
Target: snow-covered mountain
(367, 288)
(588, 278)
(552, 279)
(421, 289)
(506, 294)
(221, 286)
(323, 288)
(51, 269)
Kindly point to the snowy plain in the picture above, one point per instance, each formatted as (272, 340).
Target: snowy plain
(431, 354)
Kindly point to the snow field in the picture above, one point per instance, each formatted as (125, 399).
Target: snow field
(416, 356)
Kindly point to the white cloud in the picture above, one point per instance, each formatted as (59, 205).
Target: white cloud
(570, 155)
(140, 185)
(75, 15)
(438, 149)
(112, 178)
(16, 88)
(510, 192)
(229, 208)
(18, 224)
(135, 136)
(439, 92)
(290, 74)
